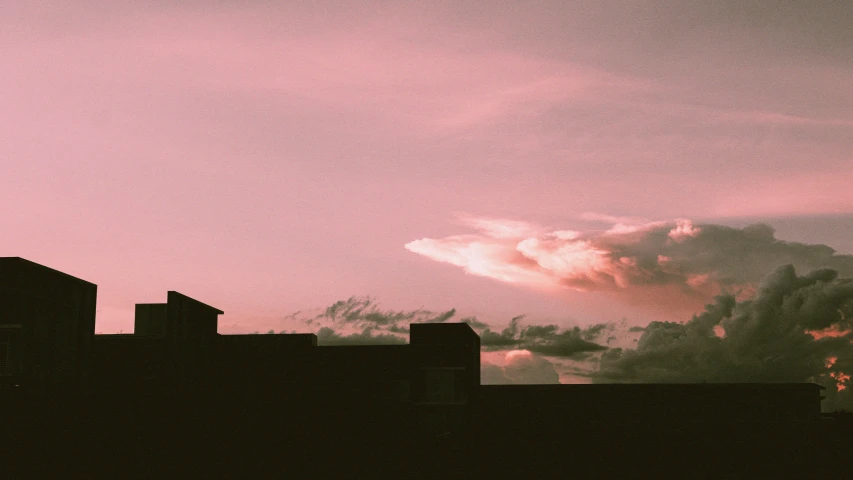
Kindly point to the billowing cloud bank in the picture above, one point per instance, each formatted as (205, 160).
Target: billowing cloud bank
(795, 329)
(681, 260)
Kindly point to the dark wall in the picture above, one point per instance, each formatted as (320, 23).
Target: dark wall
(188, 318)
(197, 404)
(259, 361)
(122, 362)
(659, 403)
(57, 314)
(150, 319)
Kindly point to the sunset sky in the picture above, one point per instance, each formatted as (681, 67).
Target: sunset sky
(268, 158)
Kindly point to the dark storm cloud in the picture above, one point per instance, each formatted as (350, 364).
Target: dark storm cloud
(738, 256)
(766, 339)
(328, 336)
(398, 329)
(506, 339)
(563, 344)
(594, 331)
(544, 339)
(688, 255)
(474, 323)
(372, 325)
(375, 323)
(363, 311)
(442, 317)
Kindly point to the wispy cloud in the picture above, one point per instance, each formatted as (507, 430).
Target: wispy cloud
(546, 340)
(433, 87)
(362, 321)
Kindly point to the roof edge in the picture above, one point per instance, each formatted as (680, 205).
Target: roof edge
(220, 312)
(52, 270)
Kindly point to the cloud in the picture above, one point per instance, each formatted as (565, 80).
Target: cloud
(365, 313)
(545, 339)
(773, 337)
(795, 328)
(328, 336)
(490, 340)
(640, 261)
(492, 374)
(474, 323)
(361, 321)
(524, 367)
(362, 311)
(363, 62)
(520, 367)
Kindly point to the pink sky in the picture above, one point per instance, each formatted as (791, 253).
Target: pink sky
(266, 158)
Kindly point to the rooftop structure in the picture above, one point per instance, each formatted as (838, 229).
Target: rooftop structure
(223, 393)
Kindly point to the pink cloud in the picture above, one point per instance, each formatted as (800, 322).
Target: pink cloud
(482, 257)
(503, 250)
(673, 263)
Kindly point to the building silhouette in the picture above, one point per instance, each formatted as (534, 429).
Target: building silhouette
(175, 398)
